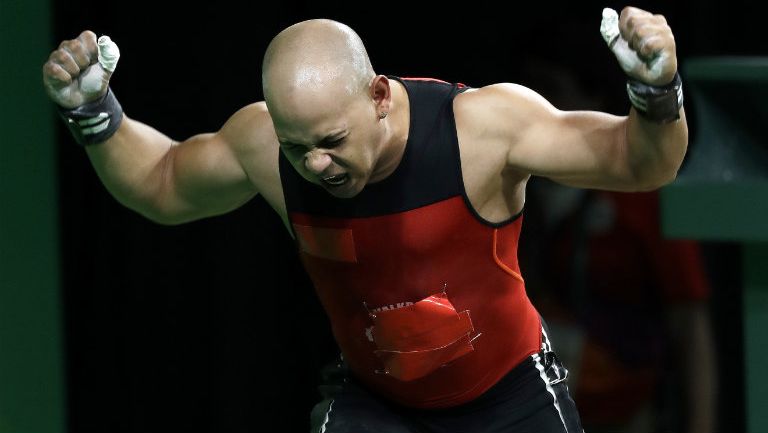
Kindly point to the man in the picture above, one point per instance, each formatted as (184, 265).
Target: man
(404, 197)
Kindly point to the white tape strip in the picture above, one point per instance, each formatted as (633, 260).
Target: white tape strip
(628, 59)
(109, 54)
(609, 26)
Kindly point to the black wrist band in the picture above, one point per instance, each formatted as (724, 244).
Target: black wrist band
(95, 121)
(659, 104)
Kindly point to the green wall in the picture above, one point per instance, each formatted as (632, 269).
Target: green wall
(31, 361)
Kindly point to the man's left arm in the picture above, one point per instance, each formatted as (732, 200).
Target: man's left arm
(589, 149)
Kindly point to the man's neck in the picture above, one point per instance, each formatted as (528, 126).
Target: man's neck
(398, 123)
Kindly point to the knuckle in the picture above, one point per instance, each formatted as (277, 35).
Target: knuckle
(52, 70)
(630, 12)
(68, 45)
(55, 56)
(632, 22)
(88, 35)
(87, 40)
(648, 48)
(60, 56)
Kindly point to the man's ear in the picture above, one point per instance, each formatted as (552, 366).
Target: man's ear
(381, 94)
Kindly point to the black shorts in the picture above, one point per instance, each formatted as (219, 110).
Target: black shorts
(533, 397)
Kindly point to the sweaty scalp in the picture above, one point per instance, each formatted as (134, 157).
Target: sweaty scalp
(315, 55)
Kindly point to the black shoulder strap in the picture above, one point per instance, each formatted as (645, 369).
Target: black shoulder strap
(426, 174)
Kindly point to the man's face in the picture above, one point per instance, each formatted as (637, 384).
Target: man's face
(331, 139)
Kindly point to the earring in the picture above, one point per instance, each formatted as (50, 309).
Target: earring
(383, 114)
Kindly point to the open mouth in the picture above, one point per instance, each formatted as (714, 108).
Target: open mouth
(336, 180)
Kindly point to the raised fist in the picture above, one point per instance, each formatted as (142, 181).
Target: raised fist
(643, 43)
(78, 71)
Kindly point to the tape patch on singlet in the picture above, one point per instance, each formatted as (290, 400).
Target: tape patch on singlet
(418, 338)
(328, 243)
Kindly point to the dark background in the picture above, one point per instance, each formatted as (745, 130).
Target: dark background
(212, 325)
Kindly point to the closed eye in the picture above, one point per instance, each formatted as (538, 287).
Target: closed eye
(330, 144)
(326, 143)
(290, 147)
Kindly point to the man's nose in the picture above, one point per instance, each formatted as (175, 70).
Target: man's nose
(317, 161)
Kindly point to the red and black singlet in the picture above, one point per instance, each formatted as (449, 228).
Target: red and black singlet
(424, 297)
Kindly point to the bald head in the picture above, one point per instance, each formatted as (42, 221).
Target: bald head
(314, 57)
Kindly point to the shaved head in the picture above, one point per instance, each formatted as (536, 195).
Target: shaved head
(332, 115)
(313, 59)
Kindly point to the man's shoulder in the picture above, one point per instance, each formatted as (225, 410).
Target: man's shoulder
(250, 128)
(252, 119)
(498, 96)
(250, 134)
(505, 109)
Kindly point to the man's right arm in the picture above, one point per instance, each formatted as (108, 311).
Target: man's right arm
(167, 181)
(173, 182)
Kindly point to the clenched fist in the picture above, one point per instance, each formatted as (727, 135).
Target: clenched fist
(643, 43)
(78, 71)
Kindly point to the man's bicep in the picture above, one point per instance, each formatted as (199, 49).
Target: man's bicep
(576, 148)
(205, 173)
(206, 178)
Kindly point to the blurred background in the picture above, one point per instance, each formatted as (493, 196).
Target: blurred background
(108, 322)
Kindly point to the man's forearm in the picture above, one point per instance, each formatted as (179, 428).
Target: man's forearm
(655, 151)
(133, 165)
